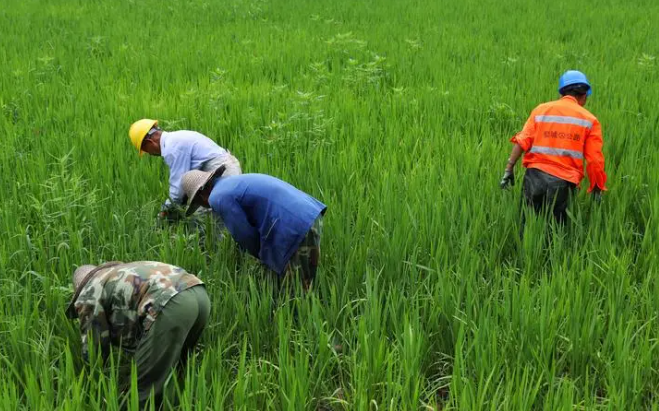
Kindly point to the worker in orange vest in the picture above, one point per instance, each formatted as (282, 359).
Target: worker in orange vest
(556, 139)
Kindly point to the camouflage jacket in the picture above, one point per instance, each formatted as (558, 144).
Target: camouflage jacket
(120, 303)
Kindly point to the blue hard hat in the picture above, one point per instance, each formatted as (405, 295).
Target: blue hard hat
(571, 77)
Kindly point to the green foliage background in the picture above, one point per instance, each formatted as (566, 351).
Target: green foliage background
(394, 113)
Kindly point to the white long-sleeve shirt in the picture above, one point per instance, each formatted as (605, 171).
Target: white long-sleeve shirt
(183, 151)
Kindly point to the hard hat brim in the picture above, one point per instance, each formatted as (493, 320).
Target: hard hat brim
(562, 89)
(143, 133)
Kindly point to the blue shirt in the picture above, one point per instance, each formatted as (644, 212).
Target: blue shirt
(266, 216)
(183, 151)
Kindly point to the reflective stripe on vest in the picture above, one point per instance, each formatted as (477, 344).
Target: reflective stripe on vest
(557, 152)
(564, 120)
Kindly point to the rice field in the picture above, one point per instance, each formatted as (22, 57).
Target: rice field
(397, 115)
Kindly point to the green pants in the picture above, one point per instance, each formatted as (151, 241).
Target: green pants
(170, 340)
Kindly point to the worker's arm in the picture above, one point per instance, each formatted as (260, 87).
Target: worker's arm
(515, 154)
(522, 141)
(595, 158)
(235, 219)
(179, 163)
(93, 322)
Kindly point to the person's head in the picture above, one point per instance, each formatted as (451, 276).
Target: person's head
(197, 186)
(575, 83)
(578, 91)
(80, 274)
(79, 278)
(145, 136)
(151, 142)
(203, 194)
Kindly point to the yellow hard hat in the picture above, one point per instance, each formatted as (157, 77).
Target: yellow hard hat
(138, 131)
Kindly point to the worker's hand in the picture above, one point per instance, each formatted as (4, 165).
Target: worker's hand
(170, 212)
(170, 216)
(597, 195)
(508, 179)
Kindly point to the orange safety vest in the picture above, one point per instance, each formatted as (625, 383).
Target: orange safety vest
(558, 136)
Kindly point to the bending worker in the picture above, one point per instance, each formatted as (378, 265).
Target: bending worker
(155, 310)
(182, 151)
(274, 221)
(555, 140)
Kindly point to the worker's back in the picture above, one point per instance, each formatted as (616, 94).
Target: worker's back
(555, 136)
(265, 215)
(126, 298)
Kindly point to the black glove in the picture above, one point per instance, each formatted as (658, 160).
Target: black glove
(508, 179)
(597, 195)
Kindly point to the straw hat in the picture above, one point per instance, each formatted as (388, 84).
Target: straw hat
(196, 180)
(80, 278)
(81, 273)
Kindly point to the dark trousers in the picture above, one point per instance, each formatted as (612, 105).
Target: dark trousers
(543, 192)
(170, 340)
(306, 258)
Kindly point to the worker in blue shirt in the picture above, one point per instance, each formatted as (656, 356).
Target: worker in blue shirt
(274, 221)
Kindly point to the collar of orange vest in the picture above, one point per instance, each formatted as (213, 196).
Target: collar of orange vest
(571, 98)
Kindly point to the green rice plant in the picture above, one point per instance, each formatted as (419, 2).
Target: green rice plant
(395, 114)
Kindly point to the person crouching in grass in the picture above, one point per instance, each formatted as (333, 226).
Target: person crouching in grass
(274, 221)
(155, 310)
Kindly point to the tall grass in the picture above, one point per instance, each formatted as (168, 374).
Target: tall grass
(394, 113)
